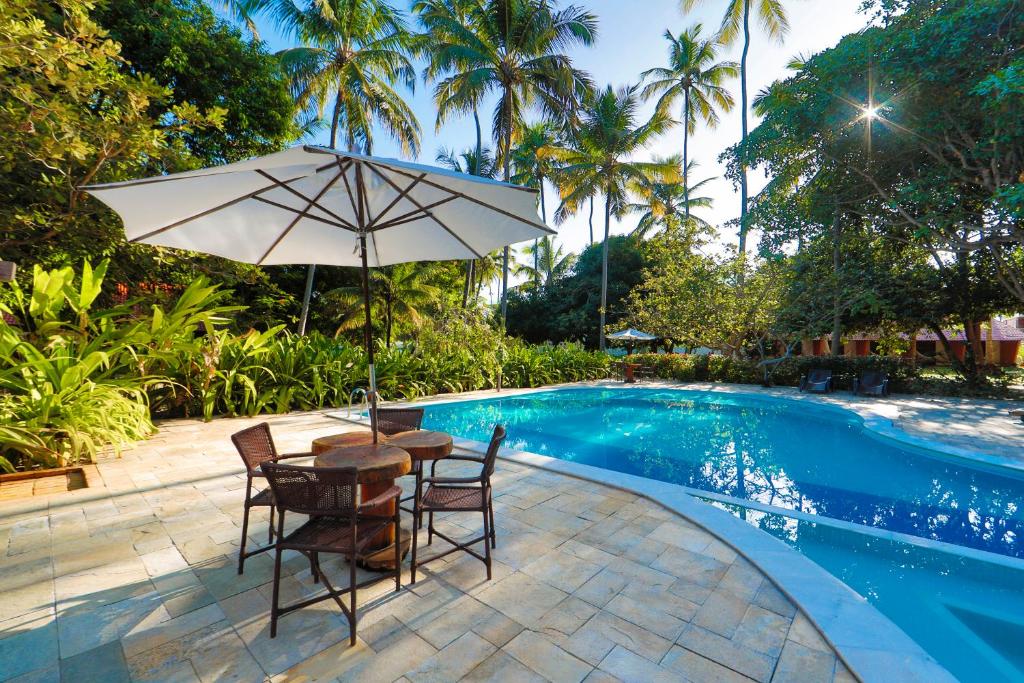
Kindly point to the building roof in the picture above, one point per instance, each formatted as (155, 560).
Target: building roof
(1002, 330)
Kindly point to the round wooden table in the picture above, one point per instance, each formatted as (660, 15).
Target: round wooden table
(422, 445)
(378, 465)
(361, 437)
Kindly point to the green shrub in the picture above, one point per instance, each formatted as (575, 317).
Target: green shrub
(903, 376)
(74, 380)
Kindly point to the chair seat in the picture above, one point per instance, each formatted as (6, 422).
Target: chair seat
(331, 534)
(452, 498)
(264, 497)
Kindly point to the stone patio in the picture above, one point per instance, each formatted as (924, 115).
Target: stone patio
(133, 578)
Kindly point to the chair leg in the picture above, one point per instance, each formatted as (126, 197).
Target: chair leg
(241, 549)
(487, 544)
(417, 522)
(490, 510)
(398, 545)
(314, 566)
(430, 527)
(352, 602)
(270, 527)
(277, 590)
(415, 542)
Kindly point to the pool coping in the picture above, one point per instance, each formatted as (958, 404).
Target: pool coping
(870, 644)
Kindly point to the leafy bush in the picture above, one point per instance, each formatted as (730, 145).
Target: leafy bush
(74, 380)
(903, 376)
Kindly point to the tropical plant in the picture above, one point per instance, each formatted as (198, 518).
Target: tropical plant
(667, 205)
(736, 22)
(532, 167)
(602, 161)
(353, 54)
(512, 47)
(399, 293)
(694, 76)
(550, 261)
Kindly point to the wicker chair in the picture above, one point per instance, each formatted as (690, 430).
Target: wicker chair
(256, 447)
(392, 421)
(396, 420)
(461, 494)
(817, 381)
(337, 524)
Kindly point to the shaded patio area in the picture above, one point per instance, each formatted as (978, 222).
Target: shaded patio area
(134, 578)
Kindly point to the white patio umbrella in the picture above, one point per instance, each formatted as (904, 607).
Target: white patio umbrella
(323, 206)
(629, 335)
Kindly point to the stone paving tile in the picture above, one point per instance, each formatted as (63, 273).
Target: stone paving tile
(136, 576)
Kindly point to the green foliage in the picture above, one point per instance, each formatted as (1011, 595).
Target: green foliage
(75, 378)
(698, 368)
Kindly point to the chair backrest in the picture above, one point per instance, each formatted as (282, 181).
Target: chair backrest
(873, 378)
(255, 445)
(492, 450)
(313, 490)
(395, 420)
(818, 375)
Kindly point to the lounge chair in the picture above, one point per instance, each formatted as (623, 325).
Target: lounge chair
(817, 381)
(871, 383)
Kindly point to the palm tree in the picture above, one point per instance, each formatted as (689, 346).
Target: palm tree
(550, 261)
(532, 167)
(775, 23)
(695, 76)
(353, 54)
(667, 205)
(400, 293)
(476, 162)
(601, 161)
(513, 48)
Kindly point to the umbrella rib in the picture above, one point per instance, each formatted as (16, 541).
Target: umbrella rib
(351, 195)
(301, 196)
(298, 217)
(428, 213)
(474, 200)
(397, 199)
(304, 213)
(201, 214)
(411, 215)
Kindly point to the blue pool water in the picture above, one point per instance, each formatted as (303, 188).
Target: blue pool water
(817, 461)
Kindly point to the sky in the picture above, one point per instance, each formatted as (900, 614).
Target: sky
(630, 41)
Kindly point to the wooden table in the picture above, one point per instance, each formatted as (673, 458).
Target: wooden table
(378, 465)
(422, 445)
(361, 437)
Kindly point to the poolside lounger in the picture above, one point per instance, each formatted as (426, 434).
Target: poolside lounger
(817, 381)
(871, 383)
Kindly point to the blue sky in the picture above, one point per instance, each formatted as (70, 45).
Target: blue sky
(631, 41)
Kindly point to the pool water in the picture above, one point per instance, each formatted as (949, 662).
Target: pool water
(789, 456)
(793, 457)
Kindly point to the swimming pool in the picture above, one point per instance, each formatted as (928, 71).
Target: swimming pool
(794, 459)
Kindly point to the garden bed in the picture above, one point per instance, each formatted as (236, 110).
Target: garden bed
(42, 482)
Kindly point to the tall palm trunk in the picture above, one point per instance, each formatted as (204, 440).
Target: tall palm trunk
(591, 220)
(311, 268)
(604, 266)
(686, 143)
(536, 242)
(470, 263)
(508, 178)
(743, 120)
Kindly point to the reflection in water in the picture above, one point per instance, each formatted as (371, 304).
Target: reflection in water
(770, 452)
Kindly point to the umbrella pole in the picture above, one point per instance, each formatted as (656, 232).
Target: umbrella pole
(368, 336)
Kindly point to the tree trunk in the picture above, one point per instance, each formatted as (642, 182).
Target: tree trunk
(467, 288)
(508, 179)
(387, 319)
(591, 219)
(536, 250)
(686, 141)
(837, 311)
(743, 120)
(311, 269)
(604, 267)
